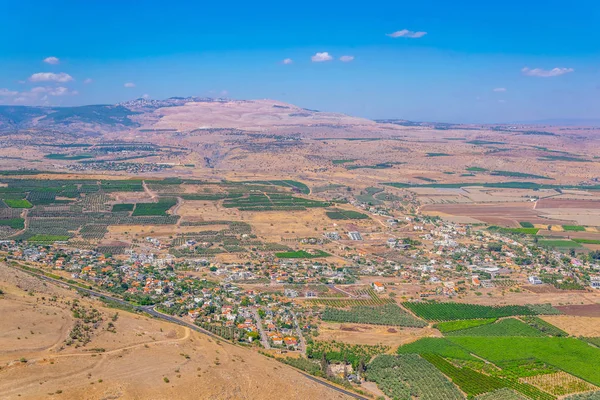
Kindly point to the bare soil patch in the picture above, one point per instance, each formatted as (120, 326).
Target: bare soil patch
(582, 310)
(372, 334)
(568, 203)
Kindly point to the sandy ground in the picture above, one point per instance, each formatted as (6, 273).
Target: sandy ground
(144, 359)
(373, 334)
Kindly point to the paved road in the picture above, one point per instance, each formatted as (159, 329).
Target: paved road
(150, 310)
(263, 336)
(302, 346)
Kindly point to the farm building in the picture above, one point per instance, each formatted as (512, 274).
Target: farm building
(534, 280)
(354, 235)
(378, 287)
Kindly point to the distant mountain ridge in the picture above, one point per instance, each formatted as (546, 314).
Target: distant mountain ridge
(88, 117)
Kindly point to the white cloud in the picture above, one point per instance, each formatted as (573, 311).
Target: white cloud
(407, 34)
(50, 77)
(500, 89)
(129, 85)
(287, 61)
(346, 58)
(8, 93)
(321, 57)
(52, 60)
(544, 73)
(88, 81)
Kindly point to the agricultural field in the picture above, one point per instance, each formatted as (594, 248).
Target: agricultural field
(14, 223)
(560, 383)
(272, 202)
(433, 311)
(124, 207)
(571, 355)
(18, 203)
(504, 327)
(451, 326)
(573, 228)
(159, 208)
(341, 352)
(407, 375)
(337, 213)
(302, 254)
(544, 326)
(502, 394)
(474, 383)
(559, 244)
(440, 346)
(388, 314)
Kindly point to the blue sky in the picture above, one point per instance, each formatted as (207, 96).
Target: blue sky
(448, 61)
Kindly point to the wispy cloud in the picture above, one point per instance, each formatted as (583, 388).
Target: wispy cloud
(407, 34)
(52, 60)
(38, 95)
(499, 89)
(8, 93)
(346, 58)
(50, 77)
(287, 61)
(88, 81)
(545, 73)
(129, 85)
(321, 57)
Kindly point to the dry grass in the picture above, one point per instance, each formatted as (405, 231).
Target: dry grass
(576, 326)
(135, 360)
(373, 334)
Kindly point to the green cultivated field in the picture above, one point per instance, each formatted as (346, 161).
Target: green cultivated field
(122, 207)
(574, 228)
(502, 394)
(388, 314)
(571, 355)
(586, 241)
(474, 383)
(452, 326)
(15, 223)
(544, 326)
(409, 376)
(345, 214)
(441, 346)
(523, 231)
(302, 254)
(48, 238)
(526, 224)
(505, 327)
(158, 208)
(433, 311)
(559, 244)
(18, 203)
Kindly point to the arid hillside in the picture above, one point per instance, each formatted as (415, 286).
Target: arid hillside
(128, 356)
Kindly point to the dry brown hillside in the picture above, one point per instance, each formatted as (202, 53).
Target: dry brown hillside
(142, 359)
